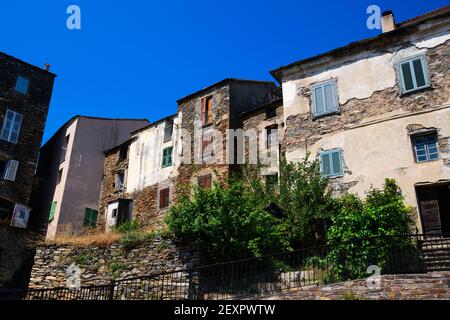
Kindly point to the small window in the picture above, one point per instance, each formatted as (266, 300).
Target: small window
(271, 181)
(22, 85)
(60, 173)
(413, 74)
(164, 198)
(205, 182)
(168, 131)
(167, 157)
(10, 171)
(207, 104)
(426, 148)
(90, 218)
(114, 213)
(207, 145)
(123, 153)
(271, 113)
(51, 215)
(324, 98)
(271, 137)
(119, 181)
(331, 163)
(11, 126)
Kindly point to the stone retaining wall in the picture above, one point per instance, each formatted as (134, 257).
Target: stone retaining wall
(428, 286)
(100, 265)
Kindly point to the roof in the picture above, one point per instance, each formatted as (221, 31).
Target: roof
(219, 84)
(362, 44)
(28, 64)
(154, 123)
(120, 145)
(273, 103)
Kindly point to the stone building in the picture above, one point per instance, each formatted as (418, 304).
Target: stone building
(379, 108)
(25, 93)
(70, 170)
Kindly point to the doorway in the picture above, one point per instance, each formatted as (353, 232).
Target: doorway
(117, 213)
(434, 207)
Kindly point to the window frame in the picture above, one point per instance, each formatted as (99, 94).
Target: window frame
(166, 193)
(329, 153)
(202, 178)
(424, 136)
(168, 125)
(13, 121)
(207, 113)
(425, 71)
(165, 162)
(90, 223)
(28, 85)
(335, 97)
(7, 175)
(269, 134)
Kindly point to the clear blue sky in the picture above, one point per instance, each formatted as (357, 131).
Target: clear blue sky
(135, 58)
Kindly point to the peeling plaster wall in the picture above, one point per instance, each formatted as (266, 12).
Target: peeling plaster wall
(145, 158)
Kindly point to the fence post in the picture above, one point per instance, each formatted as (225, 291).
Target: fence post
(111, 290)
(190, 285)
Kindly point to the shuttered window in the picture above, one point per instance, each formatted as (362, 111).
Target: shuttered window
(164, 198)
(90, 218)
(10, 171)
(413, 74)
(207, 104)
(11, 126)
(331, 163)
(168, 131)
(205, 182)
(167, 157)
(324, 98)
(22, 85)
(51, 215)
(426, 148)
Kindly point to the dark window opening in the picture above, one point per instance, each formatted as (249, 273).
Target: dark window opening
(271, 113)
(434, 207)
(164, 198)
(168, 131)
(123, 153)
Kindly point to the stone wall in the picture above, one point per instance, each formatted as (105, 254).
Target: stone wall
(100, 265)
(392, 287)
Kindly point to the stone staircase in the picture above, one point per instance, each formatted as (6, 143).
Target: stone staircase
(436, 253)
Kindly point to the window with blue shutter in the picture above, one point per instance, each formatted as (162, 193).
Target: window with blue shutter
(426, 148)
(22, 85)
(167, 157)
(11, 126)
(413, 74)
(331, 163)
(324, 98)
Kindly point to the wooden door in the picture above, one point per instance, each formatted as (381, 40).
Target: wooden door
(431, 217)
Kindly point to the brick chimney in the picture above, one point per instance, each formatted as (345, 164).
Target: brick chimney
(387, 21)
(47, 67)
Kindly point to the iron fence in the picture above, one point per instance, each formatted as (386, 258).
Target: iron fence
(269, 274)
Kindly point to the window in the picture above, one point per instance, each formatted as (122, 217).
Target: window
(272, 136)
(60, 173)
(64, 148)
(21, 215)
(51, 215)
(205, 182)
(207, 146)
(168, 130)
(11, 126)
(123, 153)
(167, 157)
(90, 218)
(324, 98)
(207, 104)
(22, 85)
(164, 198)
(413, 74)
(426, 147)
(119, 181)
(10, 170)
(331, 163)
(271, 113)
(271, 181)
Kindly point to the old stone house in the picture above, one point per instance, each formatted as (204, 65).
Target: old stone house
(70, 169)
(379, 108)
(25, 94)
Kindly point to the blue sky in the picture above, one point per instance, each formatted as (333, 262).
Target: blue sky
(135, 58)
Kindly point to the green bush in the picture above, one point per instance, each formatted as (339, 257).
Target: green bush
(129, 226)
(354, 236)
(228, 222)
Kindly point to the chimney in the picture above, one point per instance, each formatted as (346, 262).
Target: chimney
(387, 21)
(47, 67)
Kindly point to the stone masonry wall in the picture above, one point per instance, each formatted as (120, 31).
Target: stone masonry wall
(100, 265)
(429, 286)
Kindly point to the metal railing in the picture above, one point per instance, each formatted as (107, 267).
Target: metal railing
(269, 274)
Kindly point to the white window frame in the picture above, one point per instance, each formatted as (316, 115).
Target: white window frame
(14, 119)
(341, 161)
(424, 69)
(11, 169)
(336, 107)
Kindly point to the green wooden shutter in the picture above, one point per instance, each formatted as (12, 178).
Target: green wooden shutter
(51, 215)
(90, 218)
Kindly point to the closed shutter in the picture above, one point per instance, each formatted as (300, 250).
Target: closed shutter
(20, 216)
(164, 198)
(90, 218)
(331, 163)
(11, 170)
(7, 125)
(205, 182)
(51, 215)
(14, 137)
(431, 216)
